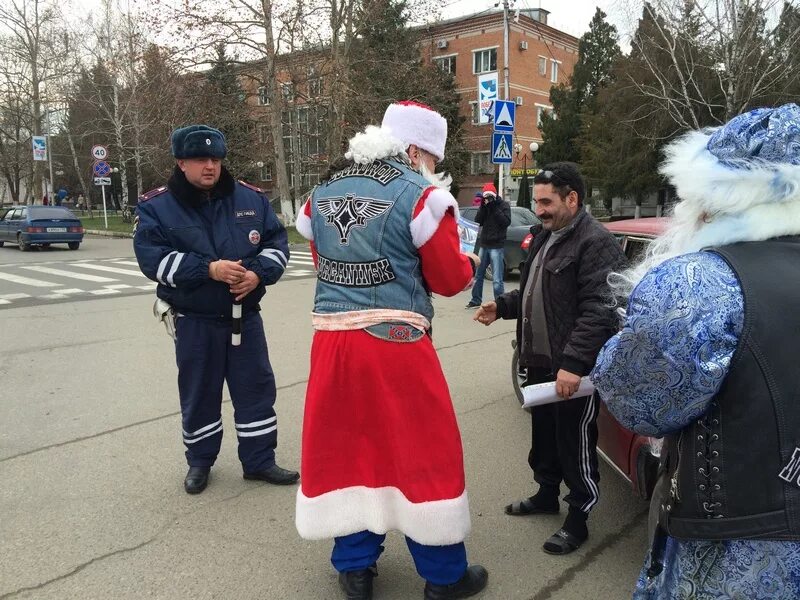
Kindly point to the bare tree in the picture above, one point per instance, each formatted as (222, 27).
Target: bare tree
(713, 59)
(31, 30)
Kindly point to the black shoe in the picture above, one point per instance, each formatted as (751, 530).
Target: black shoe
(471, 304)
(473, 581)
(357, 585)
(196, 479)
(275, 475)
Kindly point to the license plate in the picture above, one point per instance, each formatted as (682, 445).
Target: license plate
(56, 230)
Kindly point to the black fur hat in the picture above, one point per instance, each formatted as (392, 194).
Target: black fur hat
(198, 141)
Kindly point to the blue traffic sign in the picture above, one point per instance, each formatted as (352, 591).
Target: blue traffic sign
(501, 148)
(101, 168)
(504, 111)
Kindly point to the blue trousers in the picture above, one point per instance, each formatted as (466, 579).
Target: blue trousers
(206, 359)
(440, 565)
(495, 257)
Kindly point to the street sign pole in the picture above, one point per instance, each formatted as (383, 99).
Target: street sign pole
(105, 212)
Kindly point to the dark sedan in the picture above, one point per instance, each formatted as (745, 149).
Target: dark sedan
(28, 226)
(522, 220)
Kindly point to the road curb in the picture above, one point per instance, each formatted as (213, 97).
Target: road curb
(111, 234)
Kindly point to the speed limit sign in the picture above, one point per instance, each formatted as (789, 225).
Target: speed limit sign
(99, 152)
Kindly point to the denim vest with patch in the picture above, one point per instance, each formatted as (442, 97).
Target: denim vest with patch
(360, 219)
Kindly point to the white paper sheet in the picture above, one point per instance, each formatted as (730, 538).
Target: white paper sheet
(545, 393)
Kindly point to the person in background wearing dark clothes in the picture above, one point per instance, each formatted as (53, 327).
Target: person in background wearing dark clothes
(564, 316)
(494, 217)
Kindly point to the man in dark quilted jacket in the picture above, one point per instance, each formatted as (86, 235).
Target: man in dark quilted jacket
(564, 316)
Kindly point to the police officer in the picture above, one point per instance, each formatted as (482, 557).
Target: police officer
(212, 242)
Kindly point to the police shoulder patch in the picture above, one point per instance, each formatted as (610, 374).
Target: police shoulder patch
(152, 194)
(251, 186)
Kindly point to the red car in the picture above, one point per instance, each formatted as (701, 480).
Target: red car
(635, 457)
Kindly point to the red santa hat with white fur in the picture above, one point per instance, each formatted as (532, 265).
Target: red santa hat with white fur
(404, 123)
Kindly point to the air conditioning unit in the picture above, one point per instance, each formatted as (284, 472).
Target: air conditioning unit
(441, 44)
(518, 100)
(523, 45)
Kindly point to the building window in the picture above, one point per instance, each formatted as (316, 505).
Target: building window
(541, 111)
(475, 113)
(266, 173)
(446, 64)
(263, 96)
(480, 163)
(287, 90)
(315, 87)
(263, 133)
(543, 66)
(304, 140)
(485, 61)
(554, 71)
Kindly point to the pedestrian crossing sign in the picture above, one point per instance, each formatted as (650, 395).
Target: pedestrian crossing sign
(501, 148)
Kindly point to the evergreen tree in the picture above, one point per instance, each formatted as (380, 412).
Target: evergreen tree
(388, 69)
(219, 101)
(597, 51)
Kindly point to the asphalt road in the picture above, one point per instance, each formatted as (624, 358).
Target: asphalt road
(91, 464)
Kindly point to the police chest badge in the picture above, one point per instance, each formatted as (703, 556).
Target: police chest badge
(254, 237)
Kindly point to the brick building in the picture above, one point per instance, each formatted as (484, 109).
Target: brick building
(539, 57)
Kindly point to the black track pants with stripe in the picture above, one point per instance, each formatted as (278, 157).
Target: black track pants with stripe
(564, 447)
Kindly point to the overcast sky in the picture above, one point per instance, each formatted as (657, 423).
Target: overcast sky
(572, 16)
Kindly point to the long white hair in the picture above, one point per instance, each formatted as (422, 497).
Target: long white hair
(376, 143)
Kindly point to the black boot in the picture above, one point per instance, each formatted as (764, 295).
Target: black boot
(196, 479)
(357, 585)
(472, 582)
(275, 475)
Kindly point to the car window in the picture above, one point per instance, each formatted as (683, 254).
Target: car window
(14, 215)
(522, 217)
(468, 212)
(4, 212)
(635, 248)
(23, 214)
(50, 212)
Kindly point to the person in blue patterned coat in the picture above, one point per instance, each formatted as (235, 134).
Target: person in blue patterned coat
(707, 358)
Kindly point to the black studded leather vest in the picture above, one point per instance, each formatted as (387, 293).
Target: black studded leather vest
(735, 473)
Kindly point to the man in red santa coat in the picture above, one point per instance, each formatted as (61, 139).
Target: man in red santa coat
(381, 445)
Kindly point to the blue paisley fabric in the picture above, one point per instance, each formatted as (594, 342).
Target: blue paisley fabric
(735, 570)
(770, 135)
(684, 319)
(658, 375)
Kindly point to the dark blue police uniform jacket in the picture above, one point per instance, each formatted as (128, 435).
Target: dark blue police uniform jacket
(180, 230)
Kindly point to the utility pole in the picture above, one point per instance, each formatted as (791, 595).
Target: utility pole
(501, 178)
(49, 157)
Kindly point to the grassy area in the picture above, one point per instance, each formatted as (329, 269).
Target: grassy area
(115, 224)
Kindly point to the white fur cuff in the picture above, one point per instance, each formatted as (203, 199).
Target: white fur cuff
(425, 224)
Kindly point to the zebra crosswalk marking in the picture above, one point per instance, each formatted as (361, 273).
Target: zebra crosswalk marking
(131, 263)
(27, 281)
(60, 273)
(111, 269)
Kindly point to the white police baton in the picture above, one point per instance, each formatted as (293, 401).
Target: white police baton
(236, 332)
